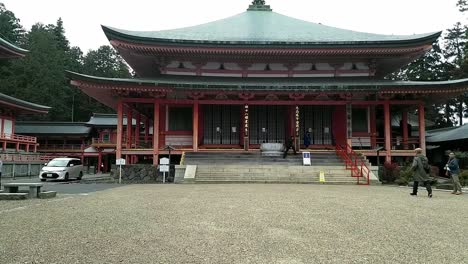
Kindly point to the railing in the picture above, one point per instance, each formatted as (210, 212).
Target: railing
(21, 138)
(103, 141)
(141, 143)
(354, 163)
(61, 147)
(15, 157)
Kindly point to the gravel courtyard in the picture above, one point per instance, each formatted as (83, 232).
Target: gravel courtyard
(237, 224)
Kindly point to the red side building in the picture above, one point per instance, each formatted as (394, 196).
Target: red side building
(260, 76)
(16, 149)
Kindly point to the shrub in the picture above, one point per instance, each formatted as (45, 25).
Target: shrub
(464, 178)
(390, 172)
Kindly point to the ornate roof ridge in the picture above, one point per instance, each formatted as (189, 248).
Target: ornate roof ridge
(259, 5)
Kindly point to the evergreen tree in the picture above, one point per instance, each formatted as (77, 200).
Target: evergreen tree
(10, 27)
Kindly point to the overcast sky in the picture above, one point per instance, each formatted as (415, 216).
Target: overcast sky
(83, 18)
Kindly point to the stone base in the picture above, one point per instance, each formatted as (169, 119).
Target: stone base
(47, 195)
(14, 196)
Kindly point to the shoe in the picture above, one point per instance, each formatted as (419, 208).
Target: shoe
(429, 195)
(454, 192)
(459, 193)
(413, 194)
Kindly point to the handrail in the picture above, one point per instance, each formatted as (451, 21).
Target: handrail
(354, 163)
(27, 139)
(12, 157)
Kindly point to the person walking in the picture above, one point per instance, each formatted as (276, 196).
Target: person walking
(289, 145)
(453, 170)
(421, 170)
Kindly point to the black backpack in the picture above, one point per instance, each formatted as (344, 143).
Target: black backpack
(425, 164)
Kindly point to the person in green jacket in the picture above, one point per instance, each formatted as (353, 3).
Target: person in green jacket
(419, 173)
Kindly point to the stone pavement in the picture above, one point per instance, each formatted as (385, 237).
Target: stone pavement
(237, 224)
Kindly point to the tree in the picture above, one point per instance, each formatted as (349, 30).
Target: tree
(462, 5)
(10, 27)
(455, 46)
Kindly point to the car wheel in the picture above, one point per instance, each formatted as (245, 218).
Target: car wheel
(43, 180)
(66, 176)
(81, 176)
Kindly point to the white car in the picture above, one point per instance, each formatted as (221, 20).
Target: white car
(62, 169)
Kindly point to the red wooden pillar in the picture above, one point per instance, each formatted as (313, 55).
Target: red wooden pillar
(373, 127)
(119, 129)
(422, 128)
(27, 147)
(388, 131)
(404, 118)
(129, 127)
(196, 107)
(156, 133)
(246, 127)
(146, 129)
(35, 148)
(99, 161)
(137, 130)
(17, 147)
(4, 145)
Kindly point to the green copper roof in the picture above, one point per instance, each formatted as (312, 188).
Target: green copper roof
(456, 133)
(7, 45)
(107, 120)
(51, 128)
(283, 84)
(260, 27)
(8, 100)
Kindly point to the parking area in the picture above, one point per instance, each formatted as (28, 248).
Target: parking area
(64, 187)
(237, 224)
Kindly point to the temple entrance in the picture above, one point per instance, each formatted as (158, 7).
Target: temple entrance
(221, 124)
(267, 124)
(317, 120)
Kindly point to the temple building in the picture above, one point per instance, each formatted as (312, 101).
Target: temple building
(263, 77)
(18, 152)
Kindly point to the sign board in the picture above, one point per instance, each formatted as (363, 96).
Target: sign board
(164, 165)
(306, 159)
(120, 162)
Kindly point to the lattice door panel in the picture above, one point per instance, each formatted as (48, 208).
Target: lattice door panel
(267, 124)
(221, 124)
(317, 119)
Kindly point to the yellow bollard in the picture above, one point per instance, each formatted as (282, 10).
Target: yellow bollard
(322, 177)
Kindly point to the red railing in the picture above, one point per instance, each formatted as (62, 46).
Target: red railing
(59, 147)
(354, 163)
(21, 138)
(103, 141)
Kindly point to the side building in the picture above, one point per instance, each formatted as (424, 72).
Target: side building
(17, 151)
(94, 142)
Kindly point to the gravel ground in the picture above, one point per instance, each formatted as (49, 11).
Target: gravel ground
(237, 224)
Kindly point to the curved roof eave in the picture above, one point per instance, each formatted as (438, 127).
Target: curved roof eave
(283, 82)
(11, 47)
(257, 28)
(25, 105)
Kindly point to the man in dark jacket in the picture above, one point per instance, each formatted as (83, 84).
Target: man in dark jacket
(453, 170)
(420, 174)
(289, 145)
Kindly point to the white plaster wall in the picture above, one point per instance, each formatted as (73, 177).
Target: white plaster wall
(181, 73)
(222, 74)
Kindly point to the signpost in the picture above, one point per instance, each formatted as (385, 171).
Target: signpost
(306, 159)
(164, 167)
(120, 162)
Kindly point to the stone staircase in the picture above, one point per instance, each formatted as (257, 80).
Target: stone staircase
(251, 167)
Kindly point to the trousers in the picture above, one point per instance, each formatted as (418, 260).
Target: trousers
(456, 183)
(427, 184)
